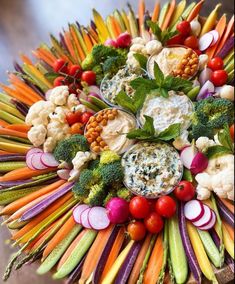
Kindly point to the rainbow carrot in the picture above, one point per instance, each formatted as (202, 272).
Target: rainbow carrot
(195, 11)
(169, 14)
(141, 12)
(156, 11)
(24, 128)
(226, 35)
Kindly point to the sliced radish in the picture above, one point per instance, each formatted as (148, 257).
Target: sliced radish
(199, 163)
(207, 87)
(205, 41)
(63, 174)
(98, 218)
(211, 224)
(215, 35)
(37, 163)
(84, 218)
(33, 151)
(205, 219)
(187, 155)
(78, 211)
(29, 162)
(49, 160)
(193, 210)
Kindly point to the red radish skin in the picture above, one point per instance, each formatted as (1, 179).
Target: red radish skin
(205, 219)
(98, 218)
(49, 160)
(193, 210)
(123, 40)
(111, 42)
(199, 163)
(29, 162)
(78, 211)
(187, 155)
(210, 225)
(84, 219)
(37, 162)
(117, 210)
(215, 36)
(205, 41)
(33, 151)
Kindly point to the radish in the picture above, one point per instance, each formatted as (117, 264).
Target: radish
(123, 40)
(205, 41)
(77, 211)
(33, 151)
(84, 218)
(187, 155)
(63, 174)
(199, 163)
(111, 42)
(207, 87)
(98, 218)
(205, 219)
(215, 35)
(48, 160)
(37, 163)
(211, 223)
(205, 75)
(193, 210)
(29, 162)
(118, 210)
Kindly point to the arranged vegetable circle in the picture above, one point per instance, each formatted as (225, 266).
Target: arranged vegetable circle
(117, 149)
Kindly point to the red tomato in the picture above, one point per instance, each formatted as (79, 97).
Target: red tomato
(139, 207)
(85, 117)
(184, 191)
(60, 65)
(89, 77)
(216, 63)
(152, 204)
(136, 230)
(219, 77)
(59, 81)
(77, 128)
(184, 28)
(154, 223)
(166, 206)
(73, 87)
(177, 39)
(75, 71)
(73, 117)
(231, 129)
(192, 42)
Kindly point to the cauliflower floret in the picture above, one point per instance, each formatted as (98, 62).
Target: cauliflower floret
(226, 92)
(59, 95)
(57, 130)
(81, 159)
(203, 60)
(138, 40)
(79, 107)
(49, 144)
(59, 114)
(72, 101)
(137, 48)
(153, 46)
(181, 141)
(203, 193)
(203, 143)
(37, 135)
(131, 61)
(39, 112)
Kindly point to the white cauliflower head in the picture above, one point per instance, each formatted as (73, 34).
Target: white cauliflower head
(49, 145)
(59, 114)
(153, 46)
(139, 40)
(72, 101)
(203, 143)
(181, 141)
(59, 95)
(37, 135)
(81, 159)
(57, 130)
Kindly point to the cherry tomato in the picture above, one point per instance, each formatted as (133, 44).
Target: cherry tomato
(184, 191)
(177, 39)
(59, 81)
(89, 77)
(192, 42)
(139, 207)
(77, 128)
(154, 223)
(85, 117)
(73, 87)
(152, 204)
(73, 117)
(184, 28)
(75, 71)
(136, 230)
(216, 63)
(166, 206)
(231, 129)
(219, 77)
(60, 65)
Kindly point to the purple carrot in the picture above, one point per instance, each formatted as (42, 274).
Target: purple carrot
(75, 275)
(225, 212)
(93, 25)
(226, 48)
(62, 41)
(192, 260)
(20, 106)
(215, 238)
(39, 207)
(12, 157)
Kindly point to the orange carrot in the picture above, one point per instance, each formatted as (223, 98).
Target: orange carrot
(230, 229)
(14, 206)
(6, 153)
(69, 44)
(155, 263)
(19, 127)
(114, 252)
(87, 40)
(139, 261)
(94, 254)
(71, 248)
(141, 11)
(81, 53)
(3, 123)
(44, 214)
(220, 28)
(169, 15)
(226, 35)
(228, 204)
(11, 132)
(25, 59)
(24, 173)
(195, 11)
(47, 54)
(156, 11)
(117, 26)
(59, 236)
(38, 54)
(113, 26)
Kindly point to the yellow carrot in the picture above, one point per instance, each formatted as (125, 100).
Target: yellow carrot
(178, 12)
(228, 242)
(211, 20)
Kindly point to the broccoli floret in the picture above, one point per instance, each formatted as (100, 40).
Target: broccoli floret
(98, 70)
(111, 173)
(66, 149)
(86, 178)
(93, 164)
(199, 130)
(101, 52)
(113, 64)
(214, 112)
(96, 195)
(88, 63)
(109, 156)
(79, 191)
(124, 193)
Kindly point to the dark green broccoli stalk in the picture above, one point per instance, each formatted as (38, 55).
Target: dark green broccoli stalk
(67, 149)
(124, 193)
(96, 195)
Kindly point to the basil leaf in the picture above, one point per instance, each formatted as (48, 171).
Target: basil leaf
(148, 125)
(217, 150)
(187, 175)
(176, 84)
(225, 138)
(163, 93)
(122, 99)
(171, 132)
(139, 97)
(142, 82)
(142, 60)
(159, 76)
(156, 30)
(138, 134)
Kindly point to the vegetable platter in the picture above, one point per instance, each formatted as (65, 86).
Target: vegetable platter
(117, 149)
